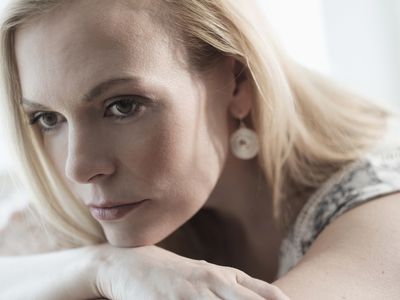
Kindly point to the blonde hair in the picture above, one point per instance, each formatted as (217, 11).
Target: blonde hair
(308, 125)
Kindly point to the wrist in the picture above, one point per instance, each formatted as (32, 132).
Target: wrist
(100, 268)
(81, 273)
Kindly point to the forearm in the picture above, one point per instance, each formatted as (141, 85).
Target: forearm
(68, 274)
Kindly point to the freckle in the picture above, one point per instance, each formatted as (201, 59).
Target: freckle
(383, 272)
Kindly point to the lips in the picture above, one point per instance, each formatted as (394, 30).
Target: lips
(108, 211)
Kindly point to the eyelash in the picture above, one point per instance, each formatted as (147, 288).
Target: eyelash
(36, 116)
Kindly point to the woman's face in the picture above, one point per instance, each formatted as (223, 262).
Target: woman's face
(155, 130)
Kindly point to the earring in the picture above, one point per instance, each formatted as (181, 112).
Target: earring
(244, 142)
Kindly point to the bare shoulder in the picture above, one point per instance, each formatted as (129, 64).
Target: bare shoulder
(22, 233)
(357, 256)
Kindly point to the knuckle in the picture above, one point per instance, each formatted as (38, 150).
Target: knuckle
(202, 262)
(208, 273)
(213, 275)
(236, 274)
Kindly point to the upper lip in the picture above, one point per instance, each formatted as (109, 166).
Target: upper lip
(111, 204)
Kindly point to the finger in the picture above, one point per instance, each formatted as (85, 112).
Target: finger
(264, 289)
(279, 294)
(236, 292)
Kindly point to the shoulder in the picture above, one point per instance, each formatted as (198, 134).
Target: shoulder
(375, 175)
(21, 230)
(346, 240)
(356, 256)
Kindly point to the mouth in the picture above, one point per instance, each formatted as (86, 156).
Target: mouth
(112, 212)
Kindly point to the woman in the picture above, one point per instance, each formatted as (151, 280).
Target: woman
(181, 154)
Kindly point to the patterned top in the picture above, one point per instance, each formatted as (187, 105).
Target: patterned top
(372, 176)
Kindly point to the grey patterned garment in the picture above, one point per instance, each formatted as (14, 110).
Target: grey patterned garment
(375, 175)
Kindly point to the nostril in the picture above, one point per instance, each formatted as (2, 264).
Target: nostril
(88, 160)
(89, 171)
(95, 177)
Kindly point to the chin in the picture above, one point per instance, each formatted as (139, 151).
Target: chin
(132, 240)
(129, 242)
(125, 244)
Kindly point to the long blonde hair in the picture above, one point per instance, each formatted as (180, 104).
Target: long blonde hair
(308, 125)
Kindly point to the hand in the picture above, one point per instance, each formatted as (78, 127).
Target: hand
(150, 273)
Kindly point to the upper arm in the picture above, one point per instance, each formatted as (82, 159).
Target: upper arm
(356, 257)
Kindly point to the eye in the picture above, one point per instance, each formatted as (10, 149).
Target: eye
(47, 120)
(124, 108)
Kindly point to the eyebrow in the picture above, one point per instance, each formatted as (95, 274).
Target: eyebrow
(95, 92)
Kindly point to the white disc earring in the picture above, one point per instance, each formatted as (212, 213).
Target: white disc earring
(244, 142)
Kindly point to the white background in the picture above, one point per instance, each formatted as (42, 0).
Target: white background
(355, 41)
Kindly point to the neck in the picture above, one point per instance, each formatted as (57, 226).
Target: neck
(242, 194)
(242, 200)
(235, 227)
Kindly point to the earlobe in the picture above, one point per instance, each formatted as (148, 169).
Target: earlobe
(242, 95)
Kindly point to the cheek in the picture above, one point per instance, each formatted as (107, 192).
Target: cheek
(180, 157)
(56, 147)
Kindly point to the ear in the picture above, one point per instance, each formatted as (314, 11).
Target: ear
(242, 93)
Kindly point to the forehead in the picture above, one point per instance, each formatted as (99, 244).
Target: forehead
(86, 41)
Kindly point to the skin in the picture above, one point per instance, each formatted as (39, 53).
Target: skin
(174, 150)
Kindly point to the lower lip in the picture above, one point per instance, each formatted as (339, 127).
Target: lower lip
(114, 213)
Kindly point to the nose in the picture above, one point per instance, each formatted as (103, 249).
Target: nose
(90, 156)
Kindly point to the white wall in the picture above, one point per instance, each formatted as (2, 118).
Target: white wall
(300, 27)
(363, 41)
(355, 41)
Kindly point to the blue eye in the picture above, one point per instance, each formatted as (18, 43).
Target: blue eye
(119, 109)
